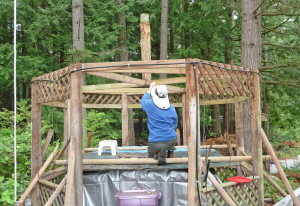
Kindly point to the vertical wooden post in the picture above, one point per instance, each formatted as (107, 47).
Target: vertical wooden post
(67, 124)
(36, 137)
(145, 42)
(191, 132)
(125, 137)
(239, 125)
(256, 140)
(184, 117)
(76, 130)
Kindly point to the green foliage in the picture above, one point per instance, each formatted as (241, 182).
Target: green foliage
(105, 125)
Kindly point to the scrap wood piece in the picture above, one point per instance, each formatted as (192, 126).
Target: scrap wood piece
(36, 178)
(70, 174)
(60, 154)
(59, 188)
(221, 190)
(54, 173)
(48, 140)
(205, 161)
(249, 170)
(279, 168)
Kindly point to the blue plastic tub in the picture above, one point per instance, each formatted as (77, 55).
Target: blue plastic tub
(138, 197)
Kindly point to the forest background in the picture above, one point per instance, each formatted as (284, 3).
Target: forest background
(209, 30)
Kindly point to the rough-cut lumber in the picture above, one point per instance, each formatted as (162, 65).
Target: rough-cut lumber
(76, 130)
(48, 183)
(221, 190)
(48, 139)
(191, 114)
(239, 129)
(125, 122)
(221, 146)
(206, 157)
(36, 178)
(167, 70)
(55, 104)
(119, 77)
(178, 137)
(89, 139)
(60, 154)
(256, 140)
(59, 188)
(174, 80)
(54, 173)
(145, 42)
(279, 168)
(87, 88)
(171, 89)
(71, 172)
(153, 161)
(36, 136)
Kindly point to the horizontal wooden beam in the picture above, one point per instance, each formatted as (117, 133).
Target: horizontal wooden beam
(174, 80)
(153, 161)
(222, 146)
(110, 66)
(171, 90)
(155, 71)
(119, 77)
(88, 88)
(55, 104)
(118, 106)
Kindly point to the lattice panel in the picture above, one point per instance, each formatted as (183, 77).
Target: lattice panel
(54, 88)
(225, 172)
(45, 194)
(91, 98)
(225, 82)
(242, 194)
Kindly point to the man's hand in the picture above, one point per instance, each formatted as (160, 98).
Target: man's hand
(151, 86)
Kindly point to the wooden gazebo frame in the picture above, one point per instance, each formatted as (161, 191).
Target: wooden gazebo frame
(217, 84)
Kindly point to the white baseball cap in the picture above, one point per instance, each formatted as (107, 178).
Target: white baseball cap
(160, 97)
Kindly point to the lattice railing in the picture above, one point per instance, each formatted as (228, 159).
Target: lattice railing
(51, 87)
(214, 80)
(244, 194)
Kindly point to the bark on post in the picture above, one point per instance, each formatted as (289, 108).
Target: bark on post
(76, 130)
(256, 140)
(36, 144)
(145, 42)
(125, 137)
(190, 111)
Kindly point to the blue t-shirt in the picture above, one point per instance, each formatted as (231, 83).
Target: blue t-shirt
(161, 122)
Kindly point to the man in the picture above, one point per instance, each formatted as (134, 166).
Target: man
(162, 122)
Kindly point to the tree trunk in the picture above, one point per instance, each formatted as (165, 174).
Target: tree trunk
(123, 56)
(251, 58)
(164, 33)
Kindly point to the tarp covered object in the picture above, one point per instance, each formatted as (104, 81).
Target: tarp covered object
(287, 201)
(100, 188)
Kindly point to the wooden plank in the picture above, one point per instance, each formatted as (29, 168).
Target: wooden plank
(191, 112)
(256, 140)
(132, 65)
(59, 188)
(153, 161)
(54, 173)
(119, 77)
(125, 129)
(76, 130)
(239, 129)
(171, 90)
(185, 137)
(118, 106)
(178, 137)
(167, 70)
(36, 136)
(71, 172)
(145, 42)
(87, 88)
(55, 104)
(48, 139)
(279, 168)
(221, 146)
(89, 139)
(174, 80)
(36, 178)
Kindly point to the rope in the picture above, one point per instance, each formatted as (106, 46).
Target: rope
(15, 100)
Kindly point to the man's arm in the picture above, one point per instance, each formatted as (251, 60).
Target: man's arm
(146, 97)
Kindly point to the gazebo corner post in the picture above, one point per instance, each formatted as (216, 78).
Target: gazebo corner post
(191, 111)
(256, 139)
(76, 99)
(239, 130)
(125, 122)
(36, 138)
